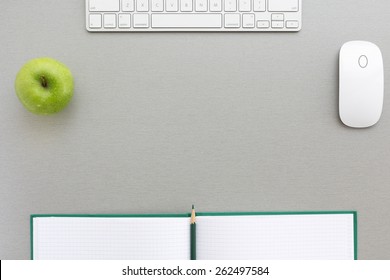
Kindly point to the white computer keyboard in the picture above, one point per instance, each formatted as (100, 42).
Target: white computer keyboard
(193, 15)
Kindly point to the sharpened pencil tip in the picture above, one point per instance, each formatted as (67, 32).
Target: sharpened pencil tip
(193, 206)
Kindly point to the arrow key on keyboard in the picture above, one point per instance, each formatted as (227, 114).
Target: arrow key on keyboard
(292, 24)
(277, 24)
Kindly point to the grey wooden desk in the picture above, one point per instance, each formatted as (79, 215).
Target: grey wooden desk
(230, 122)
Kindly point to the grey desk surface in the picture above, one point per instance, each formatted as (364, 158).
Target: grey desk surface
(230, 122)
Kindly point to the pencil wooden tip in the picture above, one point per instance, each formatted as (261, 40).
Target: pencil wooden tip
(193, 215)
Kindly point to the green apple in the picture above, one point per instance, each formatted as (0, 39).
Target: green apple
(44, 86)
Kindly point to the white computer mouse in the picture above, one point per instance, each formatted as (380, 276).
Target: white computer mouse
(361, 84)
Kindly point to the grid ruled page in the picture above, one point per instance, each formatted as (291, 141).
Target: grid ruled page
(288, 237)
(114, 238)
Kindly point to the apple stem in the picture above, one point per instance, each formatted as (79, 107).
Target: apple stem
(43, 81)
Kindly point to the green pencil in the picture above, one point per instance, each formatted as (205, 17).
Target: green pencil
(193, 234)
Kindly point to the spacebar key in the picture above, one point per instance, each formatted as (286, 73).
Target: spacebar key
(186, 21)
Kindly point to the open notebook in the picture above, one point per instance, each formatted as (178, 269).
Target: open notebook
(291, 235)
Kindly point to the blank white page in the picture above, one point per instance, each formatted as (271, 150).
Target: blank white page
(282, 237)
(91, 238)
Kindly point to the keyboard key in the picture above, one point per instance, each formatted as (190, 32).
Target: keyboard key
(127, 5)
(186, 20)
(292, 24)
(157, 5)
(109, 20)
(262, 24)
(259, 5)
(142, 5)
(283, 5)
(186, 5)
(124, 21)
(104, 5)
(171, 6)
(216, 5)
(248, 20)
(141, 20)
(277, 17)
(230, 5)
(277, 24)
(201, 5)
(244, 5)
(232, 20)
(95, 21)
